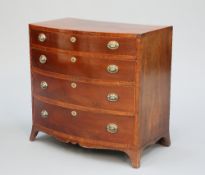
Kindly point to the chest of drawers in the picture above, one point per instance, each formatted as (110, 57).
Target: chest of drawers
(101, 85)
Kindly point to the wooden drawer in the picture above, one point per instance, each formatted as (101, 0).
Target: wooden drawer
(84, 42)
(83, 66)
(85, 94)
(84, 124)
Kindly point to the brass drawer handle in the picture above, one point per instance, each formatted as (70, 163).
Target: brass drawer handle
(42, 37)
(42, 59)
(43, 85)
(73, 59)
(112, 128)
(44, 114)
(112, 68)
(74, 113)
(113, 45)
(113, 97)
(73, 39)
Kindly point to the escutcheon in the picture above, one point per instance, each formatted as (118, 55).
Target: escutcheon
(112, 128)
(41, 37)
(44, 114)
(43, 85)
(73, 39)
(112, 97)
(113, 45)
(74, 113)
(42, 59)
(112, 68)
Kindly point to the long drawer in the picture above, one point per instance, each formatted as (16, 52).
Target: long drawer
(82, 41)
(97, 95)
(96, 67)
(84, 124)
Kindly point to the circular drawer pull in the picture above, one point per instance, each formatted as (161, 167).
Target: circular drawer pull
(74, 113)
(41, 37)
(73, 85)
(113, 45)
(112, 68)
(42, 59)
(44, 114)
(43, 85)
(112, 97)
(112, 128)
(73, 39)
(73, 59)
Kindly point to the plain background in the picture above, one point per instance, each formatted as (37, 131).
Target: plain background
(48, 156)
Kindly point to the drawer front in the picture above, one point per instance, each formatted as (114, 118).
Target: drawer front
(116, 97)
(83, 66)
(88, 125)
(85, 42)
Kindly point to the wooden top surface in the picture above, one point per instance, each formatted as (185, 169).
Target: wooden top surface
(97, 26)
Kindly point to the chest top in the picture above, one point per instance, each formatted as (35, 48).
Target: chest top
(96, 26)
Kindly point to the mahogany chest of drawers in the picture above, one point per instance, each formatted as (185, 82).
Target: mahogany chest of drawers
(101, 85)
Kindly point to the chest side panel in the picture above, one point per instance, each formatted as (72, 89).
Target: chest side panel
(155, 80)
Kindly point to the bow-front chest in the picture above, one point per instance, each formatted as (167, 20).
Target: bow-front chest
(101, 85)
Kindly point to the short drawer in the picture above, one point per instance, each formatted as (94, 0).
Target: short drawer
(85, 42)
(111, 128)
(84, 66)
(110, 97)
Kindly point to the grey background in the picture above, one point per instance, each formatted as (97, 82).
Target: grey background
(46, 155)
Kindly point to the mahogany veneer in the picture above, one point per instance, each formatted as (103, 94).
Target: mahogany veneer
(101, 85)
